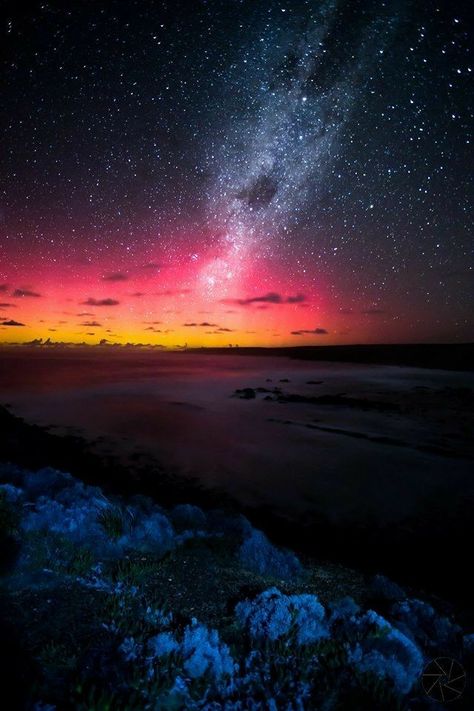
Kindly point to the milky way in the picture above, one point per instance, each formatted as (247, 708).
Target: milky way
(279, 158)
(282, 172)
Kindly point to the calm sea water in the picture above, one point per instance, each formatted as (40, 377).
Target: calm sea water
(292, 456)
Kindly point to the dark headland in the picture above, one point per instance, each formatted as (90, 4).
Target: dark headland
(445, 356)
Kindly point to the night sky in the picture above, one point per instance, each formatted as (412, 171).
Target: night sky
(245, 172)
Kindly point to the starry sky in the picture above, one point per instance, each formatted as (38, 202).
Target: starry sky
(231, 171)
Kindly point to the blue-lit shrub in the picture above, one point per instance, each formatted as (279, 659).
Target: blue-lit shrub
(204, 653)
(384, 651)
(432, 632)
(273, 615)
(260, 556)
(186, 516)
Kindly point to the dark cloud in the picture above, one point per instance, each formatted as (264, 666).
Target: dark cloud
(152, 328)
(138, 294)
(115, 276)
(203, 324)
(100, 302)
(12, 323)
(85, 313)
(3, 288)
(91, 324)
(6, 305)
(218, 331)
(225, 330)
(271, 297)
(297, 299)
(20, 293)
(315, 331)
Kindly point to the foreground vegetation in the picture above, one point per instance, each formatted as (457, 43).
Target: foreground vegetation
(121, 604)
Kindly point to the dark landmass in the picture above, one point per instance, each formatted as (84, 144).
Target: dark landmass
(442, 356)
(119, 603)
(425, 551)
(108, 598)
(445, 356)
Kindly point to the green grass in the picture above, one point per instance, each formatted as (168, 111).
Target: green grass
(116, 520)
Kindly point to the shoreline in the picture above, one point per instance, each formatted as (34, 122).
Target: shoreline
(408, 553)
(435, 356)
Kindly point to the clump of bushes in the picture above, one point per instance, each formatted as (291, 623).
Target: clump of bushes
(260, 556)
(273, 615)
(379, 649)
(273, 650)
(9, 526)
(421, 623)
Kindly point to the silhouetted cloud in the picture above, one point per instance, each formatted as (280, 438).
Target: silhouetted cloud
(271, 297)
(115, 276)
(3, 288)
(152, 328)
(91, 324)
(100, 302)
(12, 323)
(20, 293)
(297, 299)
(85, 313)
(315, 331)
(218, 332)
(137, 294)
(203, 324)
(6, 305)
